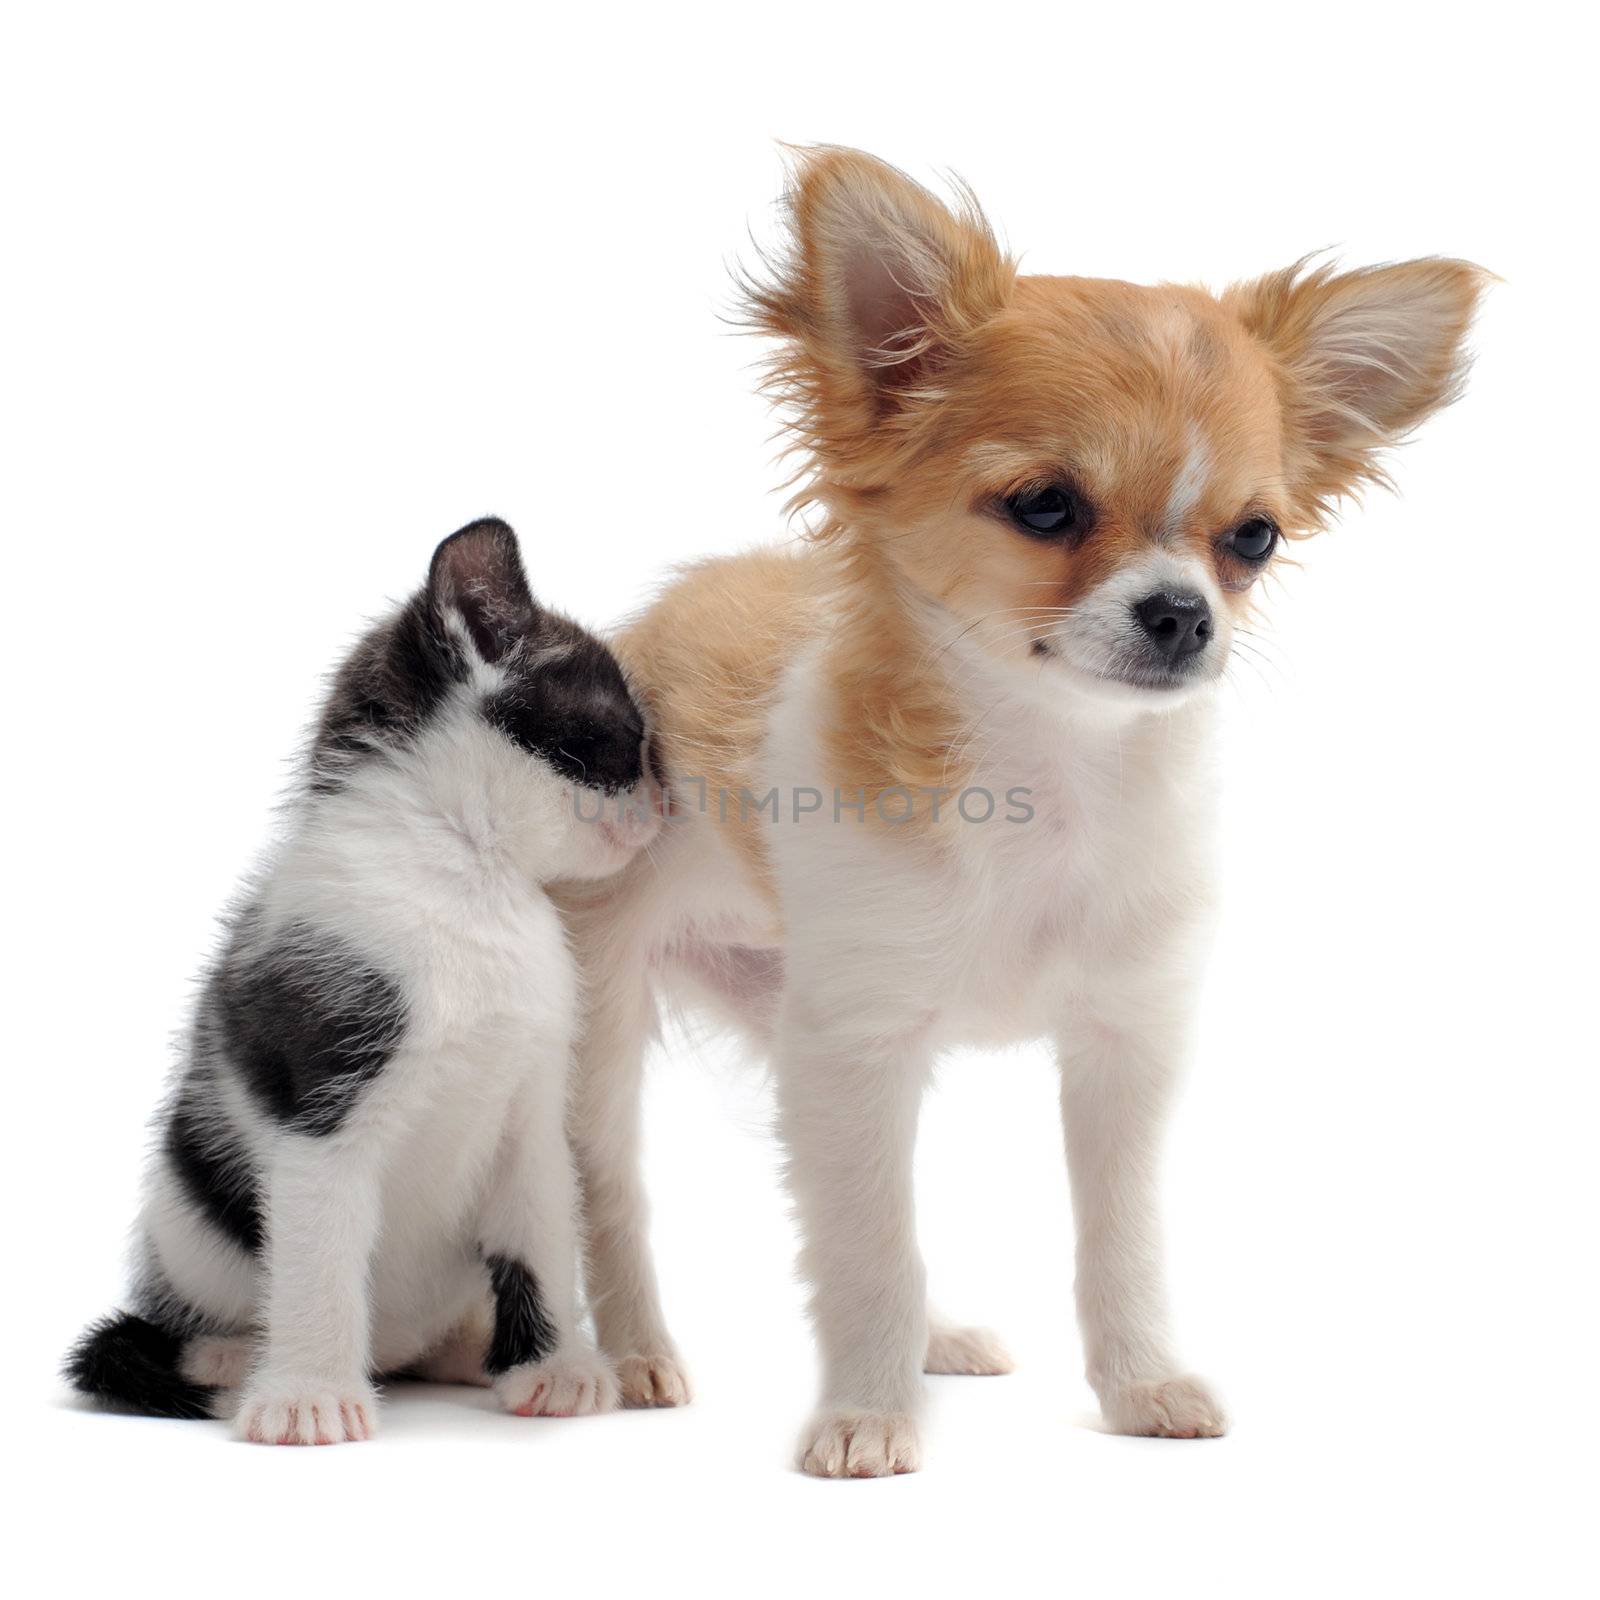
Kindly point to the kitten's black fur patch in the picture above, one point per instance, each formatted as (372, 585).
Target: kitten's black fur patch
(132, 1364)
(383, 696)
(399, 674)
(564, 699)
(213, 1167)
(523, 1331)
(572, 709)
(306, 1022)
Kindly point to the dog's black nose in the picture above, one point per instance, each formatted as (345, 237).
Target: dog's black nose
(1178, 625)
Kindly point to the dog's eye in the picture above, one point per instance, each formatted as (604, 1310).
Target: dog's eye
(1046, 513)
(1252, 540)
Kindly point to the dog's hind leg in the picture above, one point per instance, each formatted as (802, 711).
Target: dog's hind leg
(604, 1124)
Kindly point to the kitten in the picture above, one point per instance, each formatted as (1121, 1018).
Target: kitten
(362, 1166)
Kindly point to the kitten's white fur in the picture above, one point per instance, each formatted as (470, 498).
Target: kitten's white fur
(429, 862)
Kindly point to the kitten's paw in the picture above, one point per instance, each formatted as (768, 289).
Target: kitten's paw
(1167, 1408)
(860, 1444)
(658, 1380)
(969, 1352)
(458, 1358)
(570, 1383)
(218, 1361)
(280, 1412)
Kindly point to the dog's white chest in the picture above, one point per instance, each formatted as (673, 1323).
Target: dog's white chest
(1062, 855)
(1102, 838)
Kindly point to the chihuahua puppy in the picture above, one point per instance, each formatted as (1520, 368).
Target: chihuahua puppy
(943, 769)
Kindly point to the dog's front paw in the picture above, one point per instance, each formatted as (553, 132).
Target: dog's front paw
(569, 1383)
(280, 1411)
(656, 1380)
(1165, 1408)
(860, 1444)
(967, 1352)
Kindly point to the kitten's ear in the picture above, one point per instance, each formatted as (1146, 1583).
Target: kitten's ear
(879, 288)
(476, 585)
(1363, 358)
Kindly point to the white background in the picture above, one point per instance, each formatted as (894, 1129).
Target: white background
(290, 294)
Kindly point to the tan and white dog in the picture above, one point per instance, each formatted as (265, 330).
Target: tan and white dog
(941, 770)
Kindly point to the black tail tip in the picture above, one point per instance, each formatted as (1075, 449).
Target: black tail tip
(129, 1364)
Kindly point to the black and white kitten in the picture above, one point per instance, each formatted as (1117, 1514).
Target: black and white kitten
(362, 1168)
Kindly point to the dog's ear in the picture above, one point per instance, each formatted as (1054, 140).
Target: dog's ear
(1362, 358)
(877, 291)
(478, 592)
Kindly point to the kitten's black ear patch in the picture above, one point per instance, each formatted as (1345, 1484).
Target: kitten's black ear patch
(477, 574)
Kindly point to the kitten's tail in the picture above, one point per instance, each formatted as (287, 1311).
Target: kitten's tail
(130, 1364)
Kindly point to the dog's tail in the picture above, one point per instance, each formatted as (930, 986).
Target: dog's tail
(130, 1364)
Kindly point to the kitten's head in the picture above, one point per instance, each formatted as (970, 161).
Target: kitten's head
(511, 698)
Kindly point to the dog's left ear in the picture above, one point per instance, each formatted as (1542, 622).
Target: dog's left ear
(1363, 358)
(878, 290)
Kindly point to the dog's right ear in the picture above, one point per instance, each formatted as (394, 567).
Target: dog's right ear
(879, 288)
(477, 591)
